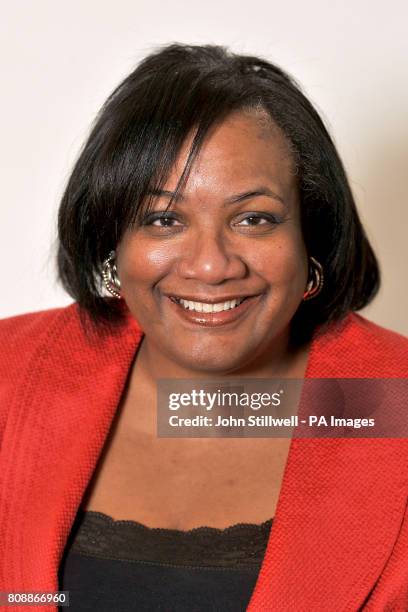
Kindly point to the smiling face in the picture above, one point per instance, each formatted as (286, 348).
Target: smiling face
(234, 232)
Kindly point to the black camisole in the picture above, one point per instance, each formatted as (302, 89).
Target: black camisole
(121, 566)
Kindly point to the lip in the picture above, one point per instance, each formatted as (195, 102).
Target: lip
(215, 319)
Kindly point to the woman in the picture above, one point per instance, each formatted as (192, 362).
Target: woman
(207, 231)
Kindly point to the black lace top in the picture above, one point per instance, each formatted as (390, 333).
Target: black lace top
(122, 565)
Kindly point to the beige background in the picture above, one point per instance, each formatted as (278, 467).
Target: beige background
(60, 60)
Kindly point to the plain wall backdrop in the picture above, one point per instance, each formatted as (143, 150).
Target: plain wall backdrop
(60, 60)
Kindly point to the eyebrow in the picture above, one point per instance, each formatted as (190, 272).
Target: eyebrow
(234, 199)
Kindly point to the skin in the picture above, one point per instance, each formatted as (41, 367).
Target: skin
(213, 248)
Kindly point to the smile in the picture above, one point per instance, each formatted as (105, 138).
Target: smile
(213, 314)
(207, 307)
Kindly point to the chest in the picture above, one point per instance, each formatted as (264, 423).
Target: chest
(186, 483)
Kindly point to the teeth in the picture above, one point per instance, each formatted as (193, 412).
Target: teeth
(203, 307)
(218, 307)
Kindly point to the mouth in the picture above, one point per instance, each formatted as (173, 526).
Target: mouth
(213, 314)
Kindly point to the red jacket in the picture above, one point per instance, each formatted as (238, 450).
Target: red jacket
(339, 539)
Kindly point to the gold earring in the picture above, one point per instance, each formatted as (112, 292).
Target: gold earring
(110, 275)
(315, 284)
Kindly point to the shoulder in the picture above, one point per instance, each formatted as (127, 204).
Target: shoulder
(359, 347)
(25, 331)
(21, 338)
(38, 346)
(59, 331)
(375, 337)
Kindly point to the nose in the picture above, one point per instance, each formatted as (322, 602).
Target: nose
(211, 258)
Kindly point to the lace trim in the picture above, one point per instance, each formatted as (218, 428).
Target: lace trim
(99, 535)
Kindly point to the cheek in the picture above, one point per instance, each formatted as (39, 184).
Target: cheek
(283, 262)
(138, 262)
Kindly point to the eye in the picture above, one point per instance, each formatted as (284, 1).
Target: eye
(258, 219)
(160, 220)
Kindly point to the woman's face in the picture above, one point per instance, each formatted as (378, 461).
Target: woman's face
(234, 232)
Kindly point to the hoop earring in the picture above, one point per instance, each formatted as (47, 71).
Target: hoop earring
(110, 275)
(315, 284)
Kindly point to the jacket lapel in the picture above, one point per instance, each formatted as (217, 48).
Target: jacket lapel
(341, 505)
(339, 514)
(58, 424)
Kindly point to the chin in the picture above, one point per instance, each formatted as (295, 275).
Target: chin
(216, 365)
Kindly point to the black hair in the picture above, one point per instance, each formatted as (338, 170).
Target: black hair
(135, 140)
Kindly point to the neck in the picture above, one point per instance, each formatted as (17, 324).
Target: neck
(150, 365)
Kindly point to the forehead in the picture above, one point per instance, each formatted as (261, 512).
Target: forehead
(245, 149)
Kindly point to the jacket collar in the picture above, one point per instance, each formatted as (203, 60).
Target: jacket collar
(338, 515)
